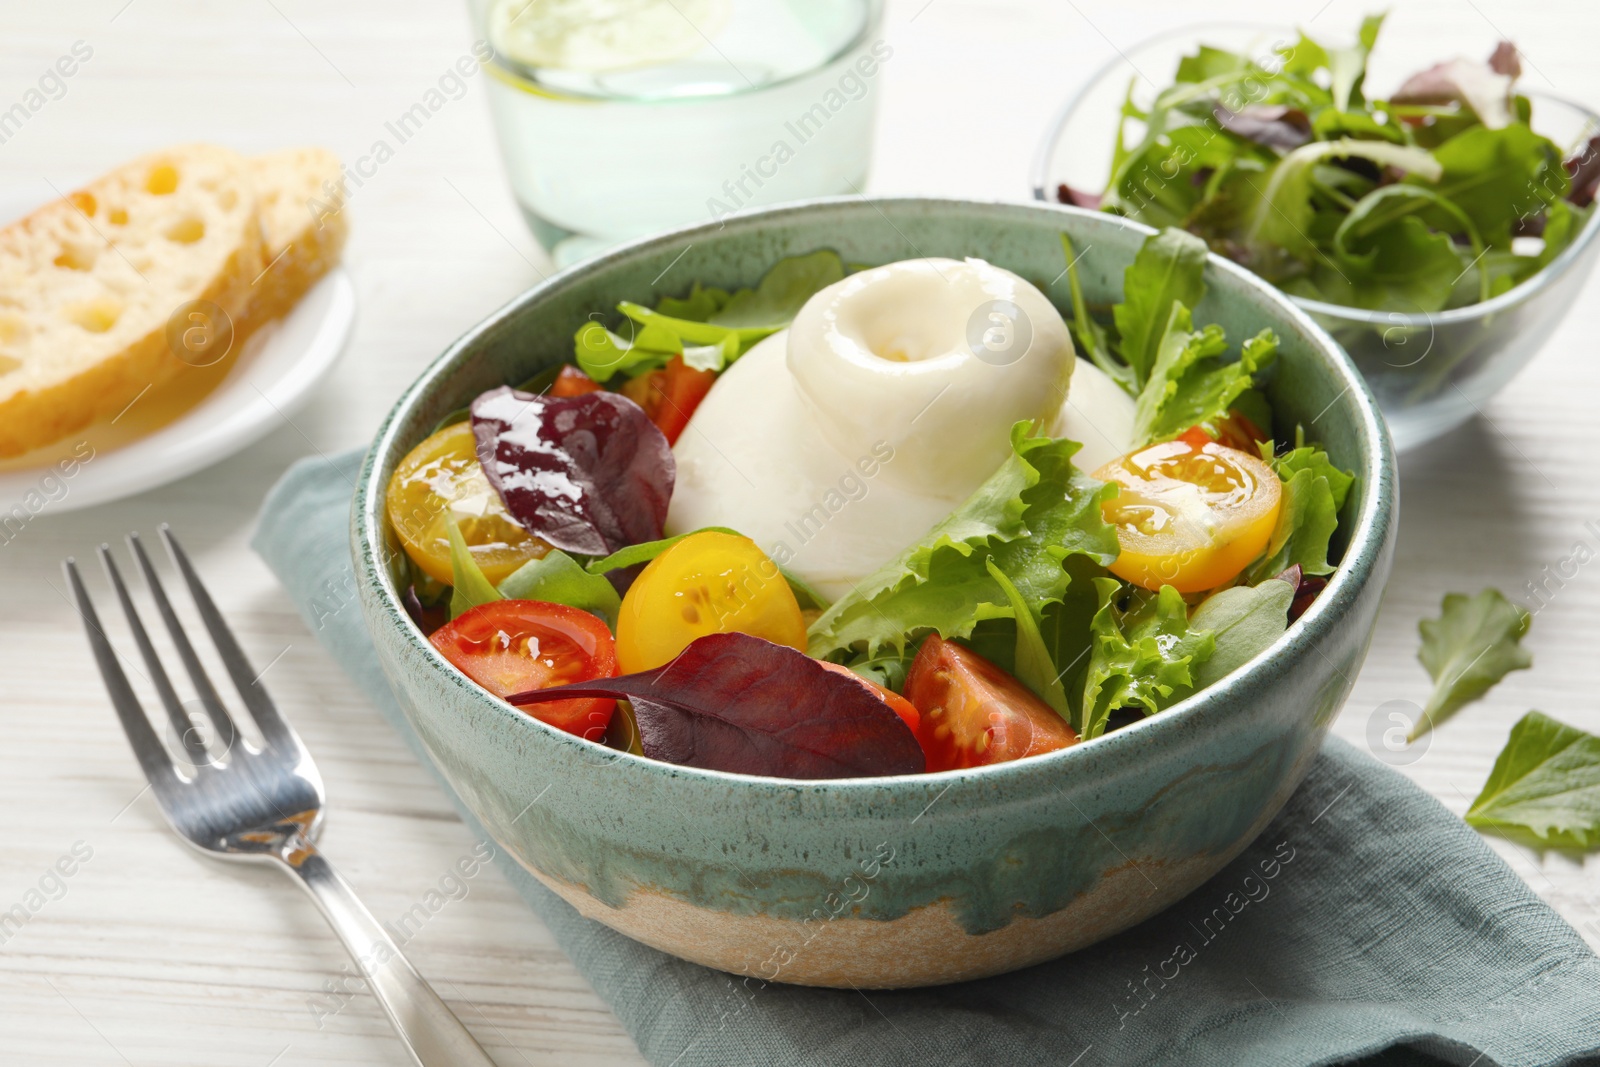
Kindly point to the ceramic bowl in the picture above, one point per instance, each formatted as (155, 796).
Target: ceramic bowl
(1430, 370)
(912, 880)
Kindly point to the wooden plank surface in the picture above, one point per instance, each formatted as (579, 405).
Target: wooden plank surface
(153, 954)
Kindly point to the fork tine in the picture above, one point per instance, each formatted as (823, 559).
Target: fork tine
(147, 747)
(220, 719)
(182, 725)
(274, 729)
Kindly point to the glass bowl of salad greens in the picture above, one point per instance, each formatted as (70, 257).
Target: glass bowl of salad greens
(1439, 230)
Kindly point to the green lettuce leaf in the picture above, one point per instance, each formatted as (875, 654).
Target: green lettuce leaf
(469, 587)
(781, 293)
(942, 582)
(1031, 661)
(1245, 620)
(557, 578)
(1313, 492)
(1168, 269)
(1143, 657)
(1544, 789)
(710, 327)
(645, 551)
(1475, 642)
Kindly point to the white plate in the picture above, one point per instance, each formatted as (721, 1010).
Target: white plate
(161, 438)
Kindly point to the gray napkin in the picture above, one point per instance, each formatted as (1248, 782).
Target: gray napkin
(1366, 922)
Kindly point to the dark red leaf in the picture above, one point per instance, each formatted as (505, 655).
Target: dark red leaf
(1273, 125)
(1584, 169)
(428, 617)
(1506, 60)
(733, 702)
(589, 474)
(1066, 194)
(1306, 589)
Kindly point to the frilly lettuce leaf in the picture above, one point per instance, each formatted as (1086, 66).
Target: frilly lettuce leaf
(1190, 383)
(1033, 512)
(1313, 492)
(1142, 657)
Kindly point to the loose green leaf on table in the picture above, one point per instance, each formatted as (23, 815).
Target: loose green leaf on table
(1544, 789)
(1473, 644)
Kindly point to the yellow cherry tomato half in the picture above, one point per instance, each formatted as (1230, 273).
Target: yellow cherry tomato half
(441, 479)
(1189, 513)
(708, 583)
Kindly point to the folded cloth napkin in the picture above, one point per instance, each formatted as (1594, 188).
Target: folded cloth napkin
(1367, 921)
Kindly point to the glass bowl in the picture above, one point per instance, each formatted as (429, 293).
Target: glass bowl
(1430, 371)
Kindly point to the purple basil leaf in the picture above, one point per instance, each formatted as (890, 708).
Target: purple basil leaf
(1307, 587)
(733, 702)
(589, 474)
(1272, 125)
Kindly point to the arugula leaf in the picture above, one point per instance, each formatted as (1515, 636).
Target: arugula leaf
(469, 587)
(942, 583)
(1168, 269)
(1473, 644)
(1544, 789)
(557, 578)
(1031, 663)
(1246, 619)
(1313, 492)
(1347, 67)
(1141, 658)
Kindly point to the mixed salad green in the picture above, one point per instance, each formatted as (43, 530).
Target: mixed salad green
(1440, 196)
(1054, 604)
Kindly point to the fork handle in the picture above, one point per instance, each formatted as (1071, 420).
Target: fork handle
(429, 1030)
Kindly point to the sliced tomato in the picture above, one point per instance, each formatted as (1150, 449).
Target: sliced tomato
(1190, 513)
(707, 583)
(573, 382)
(441, 480)
(973, 714)
(898, 704)
(670, 395)
(512, 646)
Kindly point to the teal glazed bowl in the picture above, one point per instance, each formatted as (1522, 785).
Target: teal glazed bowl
(910, 880)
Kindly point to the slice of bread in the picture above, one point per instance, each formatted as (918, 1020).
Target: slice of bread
(303, 223)
(95, 288)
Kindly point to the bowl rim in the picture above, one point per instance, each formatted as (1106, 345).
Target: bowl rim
(1531, 287)
(1371, 535)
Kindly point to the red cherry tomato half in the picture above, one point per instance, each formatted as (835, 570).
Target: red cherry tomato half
(670, 395)
(898, 704)
(974, 714)
(512, 646)
(573, 382)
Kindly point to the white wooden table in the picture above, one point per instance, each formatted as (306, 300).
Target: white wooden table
(157, 955)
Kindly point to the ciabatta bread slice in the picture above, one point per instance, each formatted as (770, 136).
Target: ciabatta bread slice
(303, 222)
(102, 292)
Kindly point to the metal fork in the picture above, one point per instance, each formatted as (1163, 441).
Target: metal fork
(256, 804)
